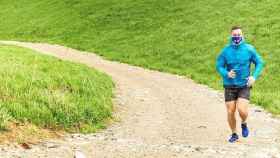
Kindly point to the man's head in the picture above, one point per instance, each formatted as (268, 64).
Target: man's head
(236, 35)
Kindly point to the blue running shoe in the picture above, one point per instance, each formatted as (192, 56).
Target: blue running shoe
(233, 138)
(245, 130)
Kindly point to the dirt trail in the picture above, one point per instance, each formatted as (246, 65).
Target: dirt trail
(161, 115)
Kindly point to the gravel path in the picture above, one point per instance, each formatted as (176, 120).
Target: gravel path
(161, 115)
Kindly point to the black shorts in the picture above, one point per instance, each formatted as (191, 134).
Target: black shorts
(232, 94)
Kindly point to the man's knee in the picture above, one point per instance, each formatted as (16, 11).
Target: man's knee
(231, 112)
(231, 107)
(242, 105)
(243, 112)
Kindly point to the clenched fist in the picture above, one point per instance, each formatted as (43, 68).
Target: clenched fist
(251, 81)
(231, 74)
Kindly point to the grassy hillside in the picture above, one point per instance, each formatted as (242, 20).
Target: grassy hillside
(51, 93)
(176, 36)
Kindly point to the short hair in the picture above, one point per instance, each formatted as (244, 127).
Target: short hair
(235, 28)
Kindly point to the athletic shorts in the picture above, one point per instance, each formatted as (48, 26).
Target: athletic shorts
(232, 94)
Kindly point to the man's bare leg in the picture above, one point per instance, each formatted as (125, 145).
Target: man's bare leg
(242, 106)
(231, 108)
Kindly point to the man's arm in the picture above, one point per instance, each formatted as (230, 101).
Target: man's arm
(259, 63)
(221, 65)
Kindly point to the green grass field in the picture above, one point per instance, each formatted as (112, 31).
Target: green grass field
(52, 93)
(182, 37)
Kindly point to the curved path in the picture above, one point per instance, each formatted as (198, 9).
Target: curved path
(160, 115)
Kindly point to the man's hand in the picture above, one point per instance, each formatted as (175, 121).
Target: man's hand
(251, 81)
(231, 74)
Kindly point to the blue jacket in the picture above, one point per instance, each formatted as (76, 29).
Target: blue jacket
(239, 58)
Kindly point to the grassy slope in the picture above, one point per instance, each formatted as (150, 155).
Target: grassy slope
(52, 93)
(177, 36)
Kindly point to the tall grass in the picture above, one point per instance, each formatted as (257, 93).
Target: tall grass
(52, 93)
(182, 37)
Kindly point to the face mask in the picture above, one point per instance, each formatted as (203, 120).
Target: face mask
(236, 40)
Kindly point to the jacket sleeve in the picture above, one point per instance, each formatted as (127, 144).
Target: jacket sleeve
(259, 63)
(221, 65)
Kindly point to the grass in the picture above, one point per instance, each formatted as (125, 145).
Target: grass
(51, 93)
(182, 37)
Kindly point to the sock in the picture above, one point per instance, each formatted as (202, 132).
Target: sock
(244, 123)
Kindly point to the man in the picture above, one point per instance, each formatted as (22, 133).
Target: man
(233, 64)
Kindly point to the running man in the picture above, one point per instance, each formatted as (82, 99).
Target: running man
(233, 64)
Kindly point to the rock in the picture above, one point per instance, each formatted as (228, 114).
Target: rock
(199, 149)
(25, 146)
(202, 127)
(114, 139)
(52, 146)
(257, 110)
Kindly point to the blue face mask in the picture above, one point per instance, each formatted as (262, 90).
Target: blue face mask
(236, 40)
